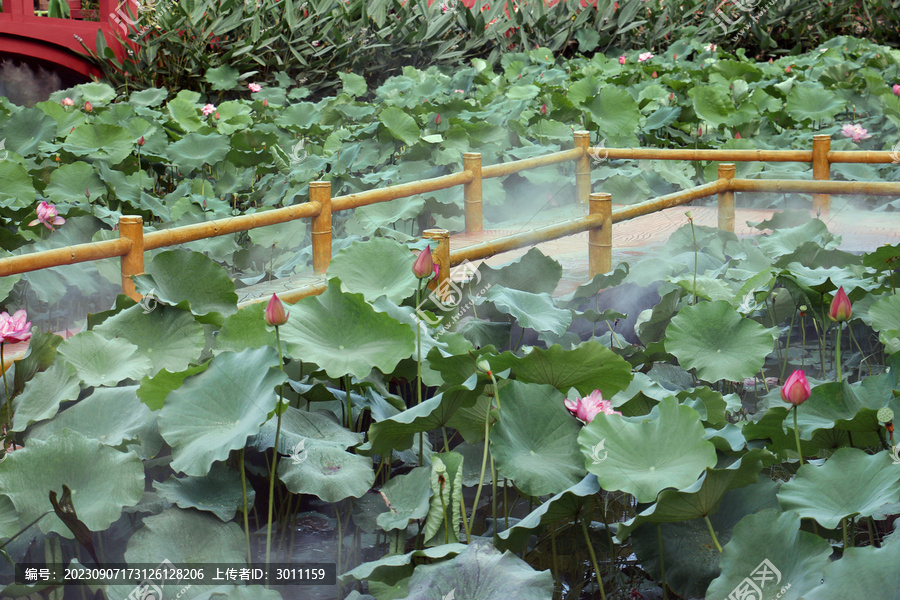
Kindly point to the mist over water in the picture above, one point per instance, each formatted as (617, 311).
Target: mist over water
(25, 85)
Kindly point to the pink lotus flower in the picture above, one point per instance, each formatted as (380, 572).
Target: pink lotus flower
(275, 313)
(68, 102)
(855, 131)
(208, 110)
(796, 389)
(424, 265)
(48, 215)
(622, 59)
(840, 309)
(254, 87)
(645, 56)
(896, 89)
(15, 328)
(585, 409)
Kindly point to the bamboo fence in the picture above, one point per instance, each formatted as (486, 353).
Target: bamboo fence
(133, 242)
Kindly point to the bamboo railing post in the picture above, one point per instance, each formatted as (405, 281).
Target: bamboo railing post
(726, 199)
(441, 256)
(821, 171)
(320, 191)
(132, 227)
(600, 239)
(472, 193)
(582, 168)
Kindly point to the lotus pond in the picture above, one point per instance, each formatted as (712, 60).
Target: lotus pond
(645, 435)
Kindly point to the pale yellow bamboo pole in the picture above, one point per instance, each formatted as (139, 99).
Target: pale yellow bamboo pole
(821, 171)
(132, 228)
(582, 168)
(440, 255)
(726, 199)
(320, 192)
(600, 239)
(472, 193)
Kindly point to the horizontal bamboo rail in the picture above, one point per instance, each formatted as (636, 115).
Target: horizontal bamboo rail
(12, 265)
(133, 242)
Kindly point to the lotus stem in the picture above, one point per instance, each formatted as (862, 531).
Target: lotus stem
(348, 405)
(797, 437)
(712, 533)
(662, 561)
(465, 522)
(844, 529)
(484, 457)
(274, 471)
(419, 374)
(837, 353)
(246, 512)
(556, 577)
(593, 555)
(494, 495)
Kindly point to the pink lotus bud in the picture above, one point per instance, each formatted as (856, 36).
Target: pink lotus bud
(141, 141)
(796, 389)
(275, 313)
(671, 96)
(543, 109)
(737, 135)
(896, 89)
(841, 309)
(654, 75)
(265, 102)
(424, 265)
(216, 116)
(622, 59)
(437, 119)
(788, 69)
(67, 102)
(88, 107)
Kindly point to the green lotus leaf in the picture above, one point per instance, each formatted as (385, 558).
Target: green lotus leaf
(408, 495)
(703, 497)
(113, 416)
(184, 112)
(246, 329)
(305, 426)
(877, 567)
(103, 480)
(646, 456)
(812, 102)
(400, 125)
(44, 393)
(715, 339)
(883, 258)
(344, 335)
(534, 311)
(616, 115)
(785, 241)
(885, 315)
(481, 572)
(111, 143)
(154, 390)
(534, 272)
(18, 188)
(394, 567)
(591, 366)
(214, 412)
(353, 84)
(377, 267)
(329, 473)
(446, 503)
(96, 92)
(184, 537)
(170, 338)
(10, 524)
(219, 492)
(208, 293)
(712, 104)
(567, 504)
(769, 549)
(398, 431)
(148, 98)
(535, 441)
(691, 559)
(101, 361)
(195, 150)
(224, 78)
(69, 182)
(24, 133)
(850, 483)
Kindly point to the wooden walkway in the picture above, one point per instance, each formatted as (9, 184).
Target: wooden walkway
(861, 231)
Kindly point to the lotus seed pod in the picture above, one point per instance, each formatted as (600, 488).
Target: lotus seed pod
(885, 415)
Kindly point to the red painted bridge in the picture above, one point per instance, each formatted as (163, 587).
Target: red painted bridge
(23, 34)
